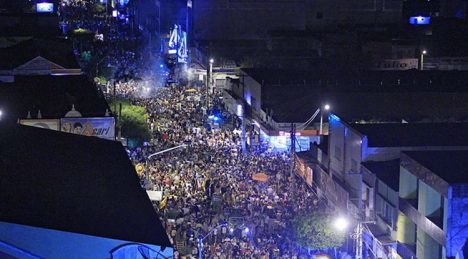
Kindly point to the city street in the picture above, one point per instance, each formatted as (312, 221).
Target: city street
(210, 183)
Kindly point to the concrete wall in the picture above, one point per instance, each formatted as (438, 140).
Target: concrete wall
(427, 247)
(252, 93)
(49, 243)
(336, 148)
(406, 233)
(457, 220)
(429, 201)
(408, 185)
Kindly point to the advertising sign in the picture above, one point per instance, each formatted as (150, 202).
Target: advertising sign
(419, 20)
(178, 43)
(42, 123)
(99, 127)
(395, 64)
(44, 7)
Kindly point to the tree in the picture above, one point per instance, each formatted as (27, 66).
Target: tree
(132, 121)
(315, 231)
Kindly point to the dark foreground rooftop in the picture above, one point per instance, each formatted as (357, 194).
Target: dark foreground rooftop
(452, 166)
(53, 95)
(74, 183)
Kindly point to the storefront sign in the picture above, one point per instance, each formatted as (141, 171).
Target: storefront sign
(395, 64)
(99, 127)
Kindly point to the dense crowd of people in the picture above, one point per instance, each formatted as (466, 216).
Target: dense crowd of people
(217, 195)
(210, 185)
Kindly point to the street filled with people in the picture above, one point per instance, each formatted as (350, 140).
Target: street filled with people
(244, 199)
(221, 197)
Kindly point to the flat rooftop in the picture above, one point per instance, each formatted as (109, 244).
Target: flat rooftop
(414, 134)
(295, 105)
(386, 171)
(452, 166)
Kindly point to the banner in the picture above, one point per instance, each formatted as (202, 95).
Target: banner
(395, 64)
(155, 195)
(99, 127)
(42, 123)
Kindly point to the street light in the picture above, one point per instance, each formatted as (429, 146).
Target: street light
(200, 239)
(342, 223)
(158, 153)
(424, 52)
(326, 108)
(208, 83)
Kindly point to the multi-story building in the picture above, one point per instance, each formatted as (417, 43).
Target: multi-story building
(433, 222)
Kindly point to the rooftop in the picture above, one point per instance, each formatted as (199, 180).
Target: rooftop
(414, 134)
(53, 95)
(386, 171)
(58, 51)
(296, 105)
(452, 166)
(74, 183)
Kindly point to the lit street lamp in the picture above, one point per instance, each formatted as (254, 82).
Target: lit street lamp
(424, 52)
(342, 223)
(208, 83)
(326, 108)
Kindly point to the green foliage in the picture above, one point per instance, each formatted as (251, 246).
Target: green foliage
(99, 8)
(100, 80)
(315, 231)
(132, 120)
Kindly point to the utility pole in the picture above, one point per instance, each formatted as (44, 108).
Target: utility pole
(293, 147)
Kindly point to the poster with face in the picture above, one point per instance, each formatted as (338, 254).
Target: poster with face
(98, 127)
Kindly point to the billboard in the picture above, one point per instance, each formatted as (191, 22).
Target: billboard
(103, 127)
(178, 43)
(42, 123)
(395, 64)
(44, 7)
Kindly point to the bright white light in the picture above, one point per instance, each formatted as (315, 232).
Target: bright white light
(1, 113)
(327, 107)
(231, 230)
(424, 52)
(147, 88)
(239, 110)
(341, 223)
(211, 61)
(246, 230)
